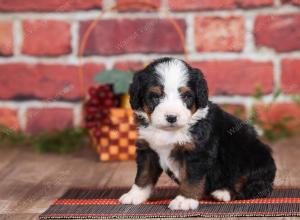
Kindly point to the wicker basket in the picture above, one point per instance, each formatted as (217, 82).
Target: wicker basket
(116, 140)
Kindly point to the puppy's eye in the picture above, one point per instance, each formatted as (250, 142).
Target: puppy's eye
(152, 100)
(187, 96)
(154, 96)
(188, 99)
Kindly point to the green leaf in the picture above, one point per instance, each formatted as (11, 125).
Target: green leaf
(120, 79)
(287, 119)
(277, 93)
(270, 135)
(254, 119)
(258, 94)
(9, 136)
(296, 99)
(61, 142)
(64, 141)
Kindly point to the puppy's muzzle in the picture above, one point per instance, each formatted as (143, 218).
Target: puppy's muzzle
(172, 119)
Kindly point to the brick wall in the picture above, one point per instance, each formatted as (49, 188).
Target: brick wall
(239, 44)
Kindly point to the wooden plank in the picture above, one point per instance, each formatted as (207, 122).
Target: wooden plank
(29, 181)
(18, 185)
(23, 216)
(66, 172)
(7, 156)
(286, 154)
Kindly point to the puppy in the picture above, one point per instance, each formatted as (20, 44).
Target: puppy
(191, 139)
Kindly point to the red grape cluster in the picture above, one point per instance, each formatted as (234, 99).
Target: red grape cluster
(96, 108)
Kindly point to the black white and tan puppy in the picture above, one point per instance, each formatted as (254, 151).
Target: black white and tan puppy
(187, 136)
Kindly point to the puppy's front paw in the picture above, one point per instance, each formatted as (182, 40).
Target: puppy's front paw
(182, 203)
(221, 195)
(131, 198)
(136, 195)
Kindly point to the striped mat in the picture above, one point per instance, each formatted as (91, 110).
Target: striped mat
(83, 203)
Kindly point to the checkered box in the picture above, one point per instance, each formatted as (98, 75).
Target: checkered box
(117, 140)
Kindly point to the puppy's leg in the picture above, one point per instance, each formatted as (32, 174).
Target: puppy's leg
(258, 185)
(260, 180)
(148, 172)
(219, 185)
(187, 198)
(136, 195)
(189, 192)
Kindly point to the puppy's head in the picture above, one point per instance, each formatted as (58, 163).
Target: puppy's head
(167, 93)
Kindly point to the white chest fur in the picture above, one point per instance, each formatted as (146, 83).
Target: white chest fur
(166, 162)
(163, 143)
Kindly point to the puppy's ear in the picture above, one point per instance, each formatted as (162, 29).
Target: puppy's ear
(135, 91)
(200, 88)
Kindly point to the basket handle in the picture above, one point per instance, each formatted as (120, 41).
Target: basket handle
(117, 6)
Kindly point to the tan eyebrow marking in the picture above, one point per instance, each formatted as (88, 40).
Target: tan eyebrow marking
(155, 89)
(184, 89)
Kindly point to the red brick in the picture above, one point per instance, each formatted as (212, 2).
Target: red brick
(294, 2)
(192, 5)
(9, 118)
(237, 77)
(129, 66)
(46, 38)
(290, 76)
(6, 38)
(219, 34)
(138, 5)
(235, 109)
(111, 37)
(254, 3)
(46, 5)
(42, 81)
(188, 5)
(277, 112)
(280, 32)
(46, 119)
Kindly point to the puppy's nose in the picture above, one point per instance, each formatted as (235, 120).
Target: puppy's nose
(171, 118)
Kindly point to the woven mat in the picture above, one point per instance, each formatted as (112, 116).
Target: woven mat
(103, 203)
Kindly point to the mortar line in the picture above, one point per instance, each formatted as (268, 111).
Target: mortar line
(92, 14)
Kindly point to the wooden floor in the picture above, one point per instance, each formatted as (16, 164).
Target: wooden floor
(29, 181)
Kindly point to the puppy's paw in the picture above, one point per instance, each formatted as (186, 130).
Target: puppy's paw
(136, 195)
(131, 198)
(221, 195)
(182, 203)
